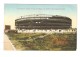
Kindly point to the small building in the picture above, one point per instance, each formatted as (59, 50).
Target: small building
(7, 28)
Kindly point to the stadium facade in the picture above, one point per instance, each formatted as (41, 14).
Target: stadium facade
(43, 23)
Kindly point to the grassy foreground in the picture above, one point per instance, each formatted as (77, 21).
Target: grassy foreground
(42, 41)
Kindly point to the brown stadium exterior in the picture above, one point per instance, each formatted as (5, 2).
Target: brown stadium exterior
(43, 23)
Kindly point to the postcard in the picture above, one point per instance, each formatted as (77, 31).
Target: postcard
(40, 27)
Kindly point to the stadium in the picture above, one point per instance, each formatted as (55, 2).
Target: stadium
(43, 22)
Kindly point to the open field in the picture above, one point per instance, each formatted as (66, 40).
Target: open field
(42, 41)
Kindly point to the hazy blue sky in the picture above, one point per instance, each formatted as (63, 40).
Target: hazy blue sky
(14, 11)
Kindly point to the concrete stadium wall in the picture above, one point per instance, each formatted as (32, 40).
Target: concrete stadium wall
(48, 31)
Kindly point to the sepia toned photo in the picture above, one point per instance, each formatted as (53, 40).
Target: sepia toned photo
(40, 27)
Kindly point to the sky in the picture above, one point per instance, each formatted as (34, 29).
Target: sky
(15, 11)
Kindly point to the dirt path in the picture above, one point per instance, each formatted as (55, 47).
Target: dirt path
(7, 43)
